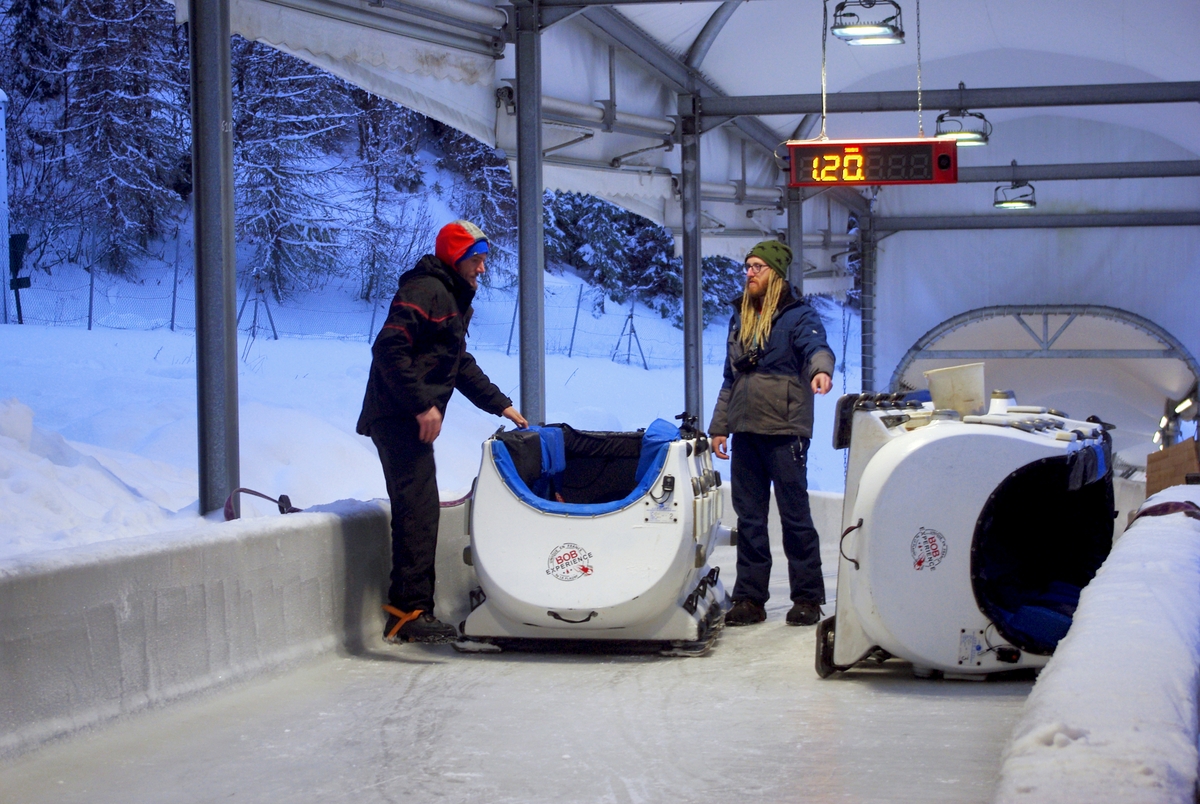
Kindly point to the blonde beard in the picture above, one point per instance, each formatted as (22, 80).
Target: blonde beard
(758, 313)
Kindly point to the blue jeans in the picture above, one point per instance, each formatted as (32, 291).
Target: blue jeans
(757, 461)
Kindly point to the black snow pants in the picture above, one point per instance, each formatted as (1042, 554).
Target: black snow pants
(411, 477)
(757, 462)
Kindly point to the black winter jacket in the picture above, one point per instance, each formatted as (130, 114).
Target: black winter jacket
(420, 356)
(774, 397)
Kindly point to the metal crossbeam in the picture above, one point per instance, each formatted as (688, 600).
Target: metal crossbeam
(1023, 220)
(1072, 172)
(1000, 98)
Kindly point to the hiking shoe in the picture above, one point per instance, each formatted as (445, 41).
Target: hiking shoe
(745, 612)
(416, 626)
(804, 612)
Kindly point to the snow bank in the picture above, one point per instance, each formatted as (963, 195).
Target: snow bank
(1113, 716)
(54, 495)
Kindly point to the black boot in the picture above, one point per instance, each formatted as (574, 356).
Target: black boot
(416, 626)
(804, 612)
(745, 612)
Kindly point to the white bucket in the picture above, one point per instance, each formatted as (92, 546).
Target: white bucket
(958, 388)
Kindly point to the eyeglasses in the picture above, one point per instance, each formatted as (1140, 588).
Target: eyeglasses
(754, 270)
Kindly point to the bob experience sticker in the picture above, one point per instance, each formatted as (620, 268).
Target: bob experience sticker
(568, 562)
(928, 549)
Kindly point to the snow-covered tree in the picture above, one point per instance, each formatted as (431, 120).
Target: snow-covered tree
(392, 226)
(483, 193)
(289, 121)
(121, 123)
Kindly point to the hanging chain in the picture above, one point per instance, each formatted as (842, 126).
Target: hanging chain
(920, 116)
(824, 37)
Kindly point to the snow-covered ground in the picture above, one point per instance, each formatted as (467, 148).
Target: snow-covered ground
(98, 428)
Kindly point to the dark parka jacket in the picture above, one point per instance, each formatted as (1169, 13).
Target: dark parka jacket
(775, 397)
(420, 356)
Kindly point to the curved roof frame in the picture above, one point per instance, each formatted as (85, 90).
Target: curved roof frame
(922, 349)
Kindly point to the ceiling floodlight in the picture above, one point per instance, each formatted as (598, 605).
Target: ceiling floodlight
(967, 128)
(1184, 405)
(1157, 439)
(1018, 195)
(854, 29)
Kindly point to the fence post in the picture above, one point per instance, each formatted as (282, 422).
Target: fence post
(371, 328)
(516, 307)
(91, 294)
(575, 325)
(175, 283)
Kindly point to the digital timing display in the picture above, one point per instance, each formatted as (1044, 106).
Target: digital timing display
(866, 162)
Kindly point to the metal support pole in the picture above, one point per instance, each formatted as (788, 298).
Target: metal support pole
(530, 241)
(216, 282)
(867, 227)
(91, 296)
(693, 291)
(575, 324)
(795, 237)
(175, 281)
(5, 271)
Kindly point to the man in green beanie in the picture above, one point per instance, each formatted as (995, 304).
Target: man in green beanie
(776, 359)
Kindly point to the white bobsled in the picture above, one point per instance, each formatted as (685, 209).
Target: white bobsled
(966, 539)
(598, 536)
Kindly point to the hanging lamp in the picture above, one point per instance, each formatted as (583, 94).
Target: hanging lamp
(1018, 195)
(966, 128)
(853, 29)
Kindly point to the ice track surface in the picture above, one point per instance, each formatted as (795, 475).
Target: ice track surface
(751, 721)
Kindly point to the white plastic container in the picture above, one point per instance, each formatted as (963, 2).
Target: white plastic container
(960, 388)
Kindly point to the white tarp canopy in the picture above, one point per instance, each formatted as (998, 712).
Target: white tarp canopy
(770, 47)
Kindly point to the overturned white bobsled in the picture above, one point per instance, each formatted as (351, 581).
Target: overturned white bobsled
(598, 536)
(966, 539)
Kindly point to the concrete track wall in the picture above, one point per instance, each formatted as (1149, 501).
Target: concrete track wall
(118, 627)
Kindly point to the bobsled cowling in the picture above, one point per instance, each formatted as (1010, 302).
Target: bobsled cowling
(585, 535)
(966, 540)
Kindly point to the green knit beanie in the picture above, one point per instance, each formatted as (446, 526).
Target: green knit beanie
(774, 254)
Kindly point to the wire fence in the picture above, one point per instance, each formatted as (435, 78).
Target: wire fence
(579, 320)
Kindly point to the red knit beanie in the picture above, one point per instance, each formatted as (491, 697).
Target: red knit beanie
(455, 240)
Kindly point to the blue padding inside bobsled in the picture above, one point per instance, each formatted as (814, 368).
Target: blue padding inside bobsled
(659, 432)
(1042, 625)
(554, 461)
(647, 476)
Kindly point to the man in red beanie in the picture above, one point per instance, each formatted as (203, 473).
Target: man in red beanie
(418, 360)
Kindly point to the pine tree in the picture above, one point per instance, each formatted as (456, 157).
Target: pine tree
(119, 124)
(43, 199)
(289, 118)
(392, 226)
(484, 195)
(34, 58)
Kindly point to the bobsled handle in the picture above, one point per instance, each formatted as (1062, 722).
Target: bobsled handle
(846, 533)
(563, 619)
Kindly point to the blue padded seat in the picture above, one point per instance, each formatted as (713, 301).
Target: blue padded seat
(1044, 626)
(656, 441)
